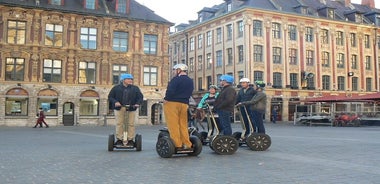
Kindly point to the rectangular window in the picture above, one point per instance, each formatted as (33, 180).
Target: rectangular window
(200, 62)
(56, 2)
(200, 83)
(240, 53)
(355, 83)
(293, 80)
(121, 6)
(277, 80)
(150, 76)
(208, 60)
(339, 38)
(117, 70)
(353, 39)
(330, 13)
(88, 107)
(310, 82)
(257, 53)
(229, 31)
(14, 69)
(309, 34)
(276, 30)
(368, 84)
(340, 60)
(219, 58)
(257, 28)
(341, 83)
(229, 56)
(200, 41)
(52, 70)
(218, 35)
(209, 38)
(53, 35)
(326, 82)
(191, 64)
(258, 75)
(183, 46)
(90, 4)
(192, 42)
(49, 104)
(88, 38)
(368, 62)
(292, 32)
(150, 44)
(87, 72)
(325, 59)
(292, 56)
(240, 28)
(309, 58)
(16, 32)
(324, 36)
(367, 43)
(354, 61)
(276, 55)
(16, 106)
(120, 41)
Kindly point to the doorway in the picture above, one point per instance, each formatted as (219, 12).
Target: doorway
(68, 114)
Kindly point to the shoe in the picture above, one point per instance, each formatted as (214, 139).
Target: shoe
(47, 127)
(130, 143)
(119, 142)
(34, 127)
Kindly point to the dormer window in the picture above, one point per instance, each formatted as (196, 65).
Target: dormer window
(229, 6)
(200, 17)
(121, 6)
(358, 18)
(330, 13)
(90, 4)
(56, 2)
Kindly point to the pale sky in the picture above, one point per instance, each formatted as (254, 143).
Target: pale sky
(181, 11)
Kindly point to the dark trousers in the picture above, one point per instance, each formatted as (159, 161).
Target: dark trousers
(259, 123)
(225, 122)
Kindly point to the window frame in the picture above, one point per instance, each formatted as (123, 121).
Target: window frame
(150, 44)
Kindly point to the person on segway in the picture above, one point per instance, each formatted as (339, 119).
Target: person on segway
(245, 94)
(258, 105)
(224, 104)
(176, 103)
(210, 98)
(125, 99)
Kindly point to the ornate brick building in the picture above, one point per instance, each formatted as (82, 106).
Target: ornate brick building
(300, 48)
(65, 55)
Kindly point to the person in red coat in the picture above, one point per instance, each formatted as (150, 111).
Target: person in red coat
(41, 119)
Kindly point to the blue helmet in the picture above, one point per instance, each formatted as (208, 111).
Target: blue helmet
(227, 78)
(126, 76)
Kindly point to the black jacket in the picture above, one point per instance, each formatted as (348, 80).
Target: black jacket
(226, 99)
(245, 96)
(133, 96)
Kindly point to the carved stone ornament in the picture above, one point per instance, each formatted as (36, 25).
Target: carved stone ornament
(151, 28)
(55, 18)
(17, 14)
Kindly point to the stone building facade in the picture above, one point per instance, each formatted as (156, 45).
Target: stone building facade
(300, 48)
(65, 56)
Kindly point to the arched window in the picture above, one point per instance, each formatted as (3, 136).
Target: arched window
(89, 103)
(48, 101)
(16, 103)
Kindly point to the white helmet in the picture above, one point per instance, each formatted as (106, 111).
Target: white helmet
(244, 80)
(180, 66)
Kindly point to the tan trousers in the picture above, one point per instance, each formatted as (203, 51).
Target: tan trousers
(176, 119)
(125, 119)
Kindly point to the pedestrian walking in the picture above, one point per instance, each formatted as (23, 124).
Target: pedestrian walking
(41, 119)
(125, 98)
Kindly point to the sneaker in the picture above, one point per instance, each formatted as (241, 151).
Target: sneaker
(119, 142)
(130, 143)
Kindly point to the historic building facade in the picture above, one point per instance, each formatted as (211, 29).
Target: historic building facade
(300, 48)
(65, 56)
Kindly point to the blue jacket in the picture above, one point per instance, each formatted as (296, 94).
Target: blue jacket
(179, 89)
(245, 96)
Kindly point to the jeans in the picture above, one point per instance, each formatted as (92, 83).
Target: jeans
(259, 123)
(225, 122)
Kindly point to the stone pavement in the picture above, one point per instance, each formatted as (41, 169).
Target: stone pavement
(298, 155)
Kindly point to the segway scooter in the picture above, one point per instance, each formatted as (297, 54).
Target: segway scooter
(221, 144)
(255, 141)
(137, 142)
(165, 147)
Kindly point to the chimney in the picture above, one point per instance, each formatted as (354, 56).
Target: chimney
(128, 7)
(370, 3)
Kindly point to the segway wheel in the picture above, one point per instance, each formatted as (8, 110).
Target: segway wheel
(237, 136)
(212, 138)
(163, 134)
(204, 137)
(111, 140)
(225, 145)
(138, 142)
(165, 147)
(259, 142)
(197, 146)
(196, 133)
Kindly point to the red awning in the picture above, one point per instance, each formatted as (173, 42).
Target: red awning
(330, 98)
(373, 96)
